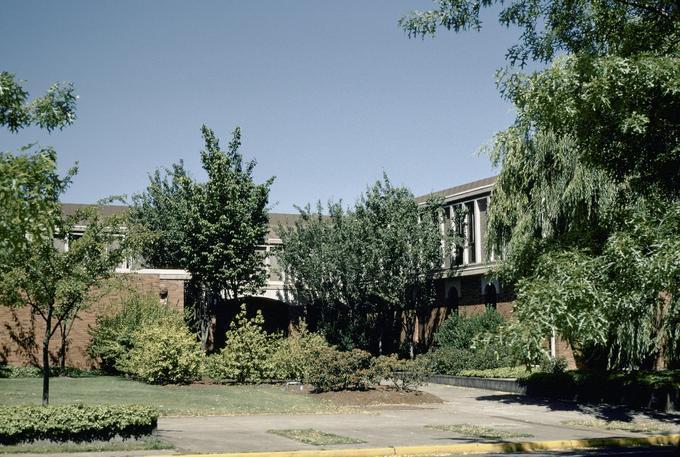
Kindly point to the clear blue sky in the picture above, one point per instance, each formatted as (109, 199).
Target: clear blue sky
(328, 94)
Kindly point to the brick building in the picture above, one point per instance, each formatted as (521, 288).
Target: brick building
(466, 286)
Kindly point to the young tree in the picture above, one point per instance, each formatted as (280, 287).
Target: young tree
(593, 153)
(213, 229)
(55, 282)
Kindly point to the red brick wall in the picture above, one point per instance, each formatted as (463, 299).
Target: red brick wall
(20, 328)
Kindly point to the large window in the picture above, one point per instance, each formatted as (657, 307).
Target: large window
(470, 230)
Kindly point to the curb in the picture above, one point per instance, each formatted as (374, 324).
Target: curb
(466, 448)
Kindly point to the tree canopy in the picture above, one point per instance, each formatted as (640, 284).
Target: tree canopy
(214, 229)
(583, 208)
(365, 269)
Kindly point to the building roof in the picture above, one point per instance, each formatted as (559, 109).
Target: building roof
(69, 209)
(481, 185)
(288, 219)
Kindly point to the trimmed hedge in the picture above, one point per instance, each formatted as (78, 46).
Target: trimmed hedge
(75, 422)
(658, 390)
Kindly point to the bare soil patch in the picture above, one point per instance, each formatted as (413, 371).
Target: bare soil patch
(378, 397)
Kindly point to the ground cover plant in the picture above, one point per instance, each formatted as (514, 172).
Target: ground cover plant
(315, 437)
(478, 431)
(192, 400)
(75, 423)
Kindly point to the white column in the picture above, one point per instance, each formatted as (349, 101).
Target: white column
(478, 233)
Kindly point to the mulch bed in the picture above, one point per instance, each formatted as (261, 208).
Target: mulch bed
(381, 396)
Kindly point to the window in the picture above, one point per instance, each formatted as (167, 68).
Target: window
(490, 295)
(452, 301)
(470, 230)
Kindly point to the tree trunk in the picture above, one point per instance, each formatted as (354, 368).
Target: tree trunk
(62, 348)
(46, 359)
(661, 363)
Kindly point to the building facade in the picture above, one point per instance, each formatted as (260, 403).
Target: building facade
(465, 287)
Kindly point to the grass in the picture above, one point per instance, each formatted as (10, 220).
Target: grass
(96, 446)
(636, 427)
(195, 400)
(478, 431)
(315, 437)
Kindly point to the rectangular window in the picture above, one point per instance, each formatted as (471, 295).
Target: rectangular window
(470, 230)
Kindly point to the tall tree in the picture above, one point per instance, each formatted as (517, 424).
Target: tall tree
(360, 270)
(593, 153)
(214, 229)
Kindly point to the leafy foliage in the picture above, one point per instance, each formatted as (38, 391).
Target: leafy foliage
(112, 337)
(357, 269)
(342, 370)
(74, 422)
(459, 331)
(247, 357)
(294, 356)
(552, 27)
(658, 390)
(164, 353)
(213, 229)
(584, 209)
(58, 283)
(56, 109)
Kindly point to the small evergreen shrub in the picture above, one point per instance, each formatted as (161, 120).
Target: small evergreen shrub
(112, 336)
(247, 356)
(164, 353)
(19, 424)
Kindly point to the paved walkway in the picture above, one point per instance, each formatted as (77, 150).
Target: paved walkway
(400, 427)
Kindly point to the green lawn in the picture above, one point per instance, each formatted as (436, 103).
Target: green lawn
(194, 400)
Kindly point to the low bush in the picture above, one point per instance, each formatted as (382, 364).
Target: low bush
(247, 356)
(658, 390)
(404, 374)
(111, 339)
(164, 353)
(30, 371)
(451, 361)
(293, 357)
(519, 372)
(342, 370)
(77, 423)
(460, 331)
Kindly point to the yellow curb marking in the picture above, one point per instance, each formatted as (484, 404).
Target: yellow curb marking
(467, 448)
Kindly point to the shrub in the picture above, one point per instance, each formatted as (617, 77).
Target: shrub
(164, 353)
(111, 338)
(459, 331)
(519, 372)
(404, 374)
(658, 390)
(336, 370)
(74, 422)
(30, 371)
(451, 360)
(294, 356)
(247, 357)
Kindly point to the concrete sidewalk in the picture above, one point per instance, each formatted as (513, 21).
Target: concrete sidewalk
(397, 426)
(401, 427)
